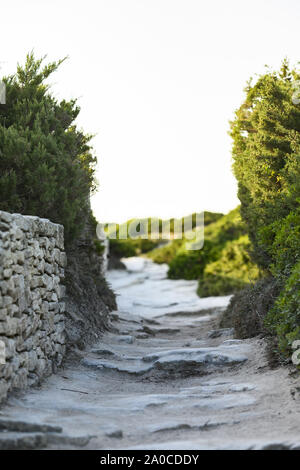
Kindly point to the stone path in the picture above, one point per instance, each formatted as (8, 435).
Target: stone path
(164, 377)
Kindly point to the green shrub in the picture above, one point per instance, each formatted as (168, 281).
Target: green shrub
(99, 247)
(248, 308)
(144, 245)
(165, 253)
(266, 154)
(216, 284)
(218, 228)
(285, 247)
(191, 264)
(121, 248)
(161, 254)
(46, 164)
(232, 271)
(284, 318)
(131, 247)
(229, 227)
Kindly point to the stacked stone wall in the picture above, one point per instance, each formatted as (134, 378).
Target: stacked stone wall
(32, 321)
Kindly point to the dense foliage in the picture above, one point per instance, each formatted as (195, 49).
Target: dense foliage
(166, 252)
(266, 153)
(191, 264)
(284, 318)
(138, 245)
(222, 266)
(169, 251)
(130, 247)
(46, 162)
(232, 271)
(248, 307)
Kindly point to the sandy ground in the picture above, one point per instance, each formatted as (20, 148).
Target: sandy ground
(164, 377)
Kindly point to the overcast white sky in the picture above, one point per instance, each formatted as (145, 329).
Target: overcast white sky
(158, 81)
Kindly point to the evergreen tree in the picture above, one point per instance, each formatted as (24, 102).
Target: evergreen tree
(46, 163)
(266, 153)
(266, 144)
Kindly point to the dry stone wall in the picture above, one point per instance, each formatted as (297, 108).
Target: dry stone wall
(32, 327)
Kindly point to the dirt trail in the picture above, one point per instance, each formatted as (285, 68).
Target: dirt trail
(164, 377)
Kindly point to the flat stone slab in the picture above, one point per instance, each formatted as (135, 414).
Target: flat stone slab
(208, 356)
(126, 339)
(20, 441)
(25, 426)
(133, 369)
(185, 359)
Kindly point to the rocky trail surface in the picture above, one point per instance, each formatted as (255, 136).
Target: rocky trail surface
(163, 377)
